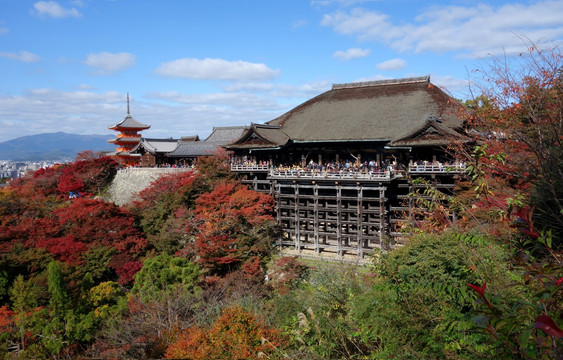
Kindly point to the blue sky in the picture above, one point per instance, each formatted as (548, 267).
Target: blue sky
(67, 65)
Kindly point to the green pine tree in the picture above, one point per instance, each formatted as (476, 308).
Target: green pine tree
(23, 300)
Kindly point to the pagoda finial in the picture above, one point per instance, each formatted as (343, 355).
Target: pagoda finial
(128, 103)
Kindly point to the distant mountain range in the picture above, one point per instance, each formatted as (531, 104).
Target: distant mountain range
(52, 146)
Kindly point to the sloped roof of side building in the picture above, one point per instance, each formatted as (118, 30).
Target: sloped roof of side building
(220, 136)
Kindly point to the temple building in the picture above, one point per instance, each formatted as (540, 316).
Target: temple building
(188, 150)
(154, 151)
(341, 165)
(396, 120)
(127, 138)
(184, 151)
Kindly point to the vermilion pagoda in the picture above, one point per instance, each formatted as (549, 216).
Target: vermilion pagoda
(127, 139)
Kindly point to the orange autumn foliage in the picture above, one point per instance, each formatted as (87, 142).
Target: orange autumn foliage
(224, 222)
(236, 334)
(6, 319)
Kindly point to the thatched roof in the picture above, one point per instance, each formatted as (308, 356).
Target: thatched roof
(432, 132)
(370, 111)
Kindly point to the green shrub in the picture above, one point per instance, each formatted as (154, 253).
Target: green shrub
(420, 306)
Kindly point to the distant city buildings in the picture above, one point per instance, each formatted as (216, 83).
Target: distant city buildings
(16, 169)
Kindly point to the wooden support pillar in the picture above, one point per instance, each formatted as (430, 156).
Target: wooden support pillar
(411, 202)
(316, 218)
(296, 217)
(382, 222)
(277, 195)
(320, 162)
(339, 220)
(360, 222)
(272, 191)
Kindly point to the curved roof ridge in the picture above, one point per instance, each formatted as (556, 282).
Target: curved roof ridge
(410, 80)
(170, 139)
(129, 122)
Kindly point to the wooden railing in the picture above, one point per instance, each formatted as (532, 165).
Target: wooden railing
(333, 175)
(437, 168)
(237, 167)
(348, 174)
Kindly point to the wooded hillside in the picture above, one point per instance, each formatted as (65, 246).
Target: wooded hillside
(192, 271)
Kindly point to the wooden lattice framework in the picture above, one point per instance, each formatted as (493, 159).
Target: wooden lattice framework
(348, 218)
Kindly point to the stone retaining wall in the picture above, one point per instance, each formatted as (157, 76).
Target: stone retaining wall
(130, 181)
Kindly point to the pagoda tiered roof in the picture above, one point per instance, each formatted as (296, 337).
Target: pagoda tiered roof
(129, 123)
(125, 140)
(127, 137)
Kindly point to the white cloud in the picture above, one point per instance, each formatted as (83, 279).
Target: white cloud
(4, 30)
(85, 87)
(215, 69)
(54, 10)
(169, 113)
(24, 56)
(108, 63)
(393, 64)
(366, 25)
(233, 100)
(472, 30)
(456, 87)
(300, 92)
(249, 87)
(351, 54)
(48, 110)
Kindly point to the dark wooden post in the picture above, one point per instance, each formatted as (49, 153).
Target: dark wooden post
(360, 222)
(277, 195)
(316, 217)
(381, 215)
(339, 219)
(297, 226)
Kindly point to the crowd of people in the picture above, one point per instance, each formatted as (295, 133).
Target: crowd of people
(387, 166)
(347, 166)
